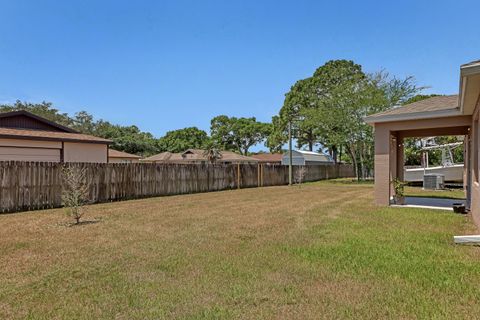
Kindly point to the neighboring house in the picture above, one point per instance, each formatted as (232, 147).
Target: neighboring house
(28, 137)
(115, 156)
(437, 116)
(197, 156)
(306, 158)
(164, 157)
(268, 158)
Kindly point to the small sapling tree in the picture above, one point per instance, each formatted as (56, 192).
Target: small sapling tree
(75, 191)
(300, 175)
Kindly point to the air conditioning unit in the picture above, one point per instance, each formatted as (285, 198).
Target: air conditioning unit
(434, 181)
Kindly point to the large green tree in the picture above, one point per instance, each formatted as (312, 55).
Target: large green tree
(238, 134)
(183, 139)
(127, 138)
(278, 135)
(329, 107)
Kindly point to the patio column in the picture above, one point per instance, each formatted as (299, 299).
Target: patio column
(383, 160)
(400, 158)
(467, 168)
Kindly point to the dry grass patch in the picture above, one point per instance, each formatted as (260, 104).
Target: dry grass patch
(319, 251)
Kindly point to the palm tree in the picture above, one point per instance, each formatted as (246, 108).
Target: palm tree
(212, 153)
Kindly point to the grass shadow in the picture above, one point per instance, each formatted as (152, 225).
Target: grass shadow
(70, 224)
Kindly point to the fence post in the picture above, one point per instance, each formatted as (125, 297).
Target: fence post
(258, 175)
(261, 174)
(238, 175)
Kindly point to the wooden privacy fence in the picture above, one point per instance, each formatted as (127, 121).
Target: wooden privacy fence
(38, 185)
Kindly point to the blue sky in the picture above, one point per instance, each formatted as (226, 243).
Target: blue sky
(164, 65)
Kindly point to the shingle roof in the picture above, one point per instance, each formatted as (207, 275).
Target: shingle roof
(198, 154)
(37, 118)
(470, 64)
(438, 103)
(165, 156)
(120, 154)
(194, 155)
(50, 135)
(268, 157)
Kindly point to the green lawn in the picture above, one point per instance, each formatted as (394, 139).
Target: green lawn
(321, 250)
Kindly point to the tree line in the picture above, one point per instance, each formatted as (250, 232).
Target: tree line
(226, 133)
(324, 111)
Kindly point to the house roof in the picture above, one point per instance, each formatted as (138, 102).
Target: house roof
(25, 125)
(49, 135)
(268, 157)
(197, 155)
(112, 153)
(165, 156)
(470, 64)
(435, 106)
(37, 118)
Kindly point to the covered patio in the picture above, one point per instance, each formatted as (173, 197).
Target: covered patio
(436, 116)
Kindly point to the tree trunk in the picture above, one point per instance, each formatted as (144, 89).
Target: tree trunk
(334, 154)
(353, 155)
(311, 140)
(362, 165)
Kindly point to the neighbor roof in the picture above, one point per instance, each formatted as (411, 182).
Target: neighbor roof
(165, 156)
(37, 118)
(49, 135)
(268, 157)
(434, 106)
(198, 154)
(112, 153)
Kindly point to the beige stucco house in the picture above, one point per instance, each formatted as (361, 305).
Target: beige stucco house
(445, 115)
(115, 156)
(28, 137)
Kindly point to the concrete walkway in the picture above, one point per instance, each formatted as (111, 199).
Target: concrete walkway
(431, 203)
